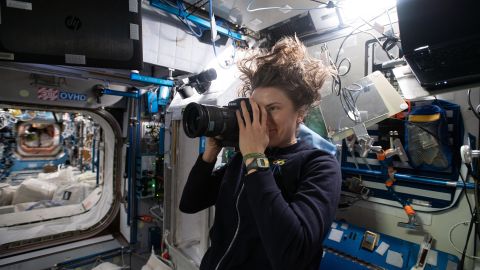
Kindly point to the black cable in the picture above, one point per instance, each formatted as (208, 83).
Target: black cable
(195, 8)
(358, 27)
(471, 107)
(349, 65)
(466, 195)
(462, 261)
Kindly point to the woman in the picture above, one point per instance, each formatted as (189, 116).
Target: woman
(269, 217)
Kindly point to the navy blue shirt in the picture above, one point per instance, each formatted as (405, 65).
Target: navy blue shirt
(274, 219)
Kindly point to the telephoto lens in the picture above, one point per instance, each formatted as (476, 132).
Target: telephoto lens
(213, 121)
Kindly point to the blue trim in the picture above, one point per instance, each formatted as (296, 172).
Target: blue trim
(110, 92)
(406, 178)
(196, 20)
(147, 79)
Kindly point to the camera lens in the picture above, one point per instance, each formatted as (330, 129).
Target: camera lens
(212, 121)
(200, 120)
(195, 120)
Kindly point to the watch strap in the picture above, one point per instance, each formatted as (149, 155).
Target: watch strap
(253, 155)
(260, 164)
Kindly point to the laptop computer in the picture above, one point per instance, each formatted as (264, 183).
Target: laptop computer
(86, 33)
(441, 41)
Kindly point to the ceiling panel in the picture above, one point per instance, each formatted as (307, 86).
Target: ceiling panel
(258, 20)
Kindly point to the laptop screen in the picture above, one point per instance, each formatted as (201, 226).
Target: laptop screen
(436, 22)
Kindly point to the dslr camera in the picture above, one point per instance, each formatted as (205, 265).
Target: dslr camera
(214, 121)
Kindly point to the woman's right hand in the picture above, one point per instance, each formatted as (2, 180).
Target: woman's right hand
(212, 149)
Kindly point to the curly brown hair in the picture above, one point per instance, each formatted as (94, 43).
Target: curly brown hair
(287, 66)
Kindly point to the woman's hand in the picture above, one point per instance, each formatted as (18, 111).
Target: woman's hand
(212, 149)
(253, 137)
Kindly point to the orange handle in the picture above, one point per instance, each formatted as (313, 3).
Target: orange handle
(409, 210)
(389, 183)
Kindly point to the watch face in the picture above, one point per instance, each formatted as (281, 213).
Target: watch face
(262, 163)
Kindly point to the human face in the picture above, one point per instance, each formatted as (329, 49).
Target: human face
(282, 118)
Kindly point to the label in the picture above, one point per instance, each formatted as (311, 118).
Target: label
(133, 6)
(19, 4)
(75, 59)
(47, 93)
(134, 31)
(72, 96)
(7, 56)
(52, 94)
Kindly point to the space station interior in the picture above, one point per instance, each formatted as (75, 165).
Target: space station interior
(107, 108)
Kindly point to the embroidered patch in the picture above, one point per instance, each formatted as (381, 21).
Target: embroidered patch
(279, 162)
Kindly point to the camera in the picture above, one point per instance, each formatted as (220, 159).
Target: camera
(214, 121)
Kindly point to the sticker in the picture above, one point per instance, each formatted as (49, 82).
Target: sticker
(134, 31)
(52, 94)
(24, 93)
(72, 96)
(334, 225)
(279, 162)
(7, 56)
(335, 235)
(394, 258)
(75, 59)
(44, 93)
(19, 4)
(451, 265)
(201, 146)
(382, 248)
(344, 226)
(432, 257)
(133, 6)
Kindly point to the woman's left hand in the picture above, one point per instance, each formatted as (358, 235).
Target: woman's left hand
(253, 136)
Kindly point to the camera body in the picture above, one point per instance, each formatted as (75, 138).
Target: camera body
(214, 121)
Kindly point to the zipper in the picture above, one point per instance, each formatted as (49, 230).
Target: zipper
(236, 231)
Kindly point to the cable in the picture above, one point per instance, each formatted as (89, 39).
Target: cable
(349, 64)
(471, 106)
(466, 195)
(249, 9)
(183, 18)
(362, 31)
(226, 66)
(195, 7)
(453, 245)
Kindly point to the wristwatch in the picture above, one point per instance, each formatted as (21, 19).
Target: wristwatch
(259, 164)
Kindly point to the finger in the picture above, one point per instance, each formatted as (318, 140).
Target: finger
(264, 117)
(255, 111)
(241, 125)
(246, 115)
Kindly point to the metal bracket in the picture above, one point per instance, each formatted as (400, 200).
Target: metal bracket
(197, 20)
